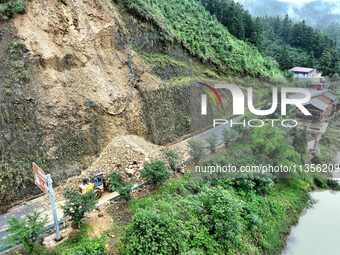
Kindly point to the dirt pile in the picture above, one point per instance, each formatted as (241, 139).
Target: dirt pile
(81, 82)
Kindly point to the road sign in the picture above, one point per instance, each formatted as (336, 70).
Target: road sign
(44, 182)
(39, 178)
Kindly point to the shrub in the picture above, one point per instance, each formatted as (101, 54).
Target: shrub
(333, 184)
(320, 182)
(196, 150)
(84, 246)
(230, 135)
(222, 215)
(152, 233)
(77, 205)
(212, 141)
(115, 181)
(26, 231)
(260, 184)
(125, 191)
(11, 7)
(263, 184)
(244, 184)
(172, 158)
(155, 172)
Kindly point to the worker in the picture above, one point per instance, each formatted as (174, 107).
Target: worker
(86, 186)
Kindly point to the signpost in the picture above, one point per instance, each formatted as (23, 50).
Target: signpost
(44, 182)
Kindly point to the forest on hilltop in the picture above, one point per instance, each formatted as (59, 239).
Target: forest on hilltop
(290, 43)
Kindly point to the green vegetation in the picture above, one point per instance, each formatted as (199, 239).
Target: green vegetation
(190, 215)
(297, 44)
(155, 172)
(212, 141)
(27, 231)
(81, 244)
(230, 135)
(172, 158)
(289, 43)
(77, 204)
(203, 36)
(196, 150)
(116, 183)
(210, 214)
(238, 20)
(8, 8)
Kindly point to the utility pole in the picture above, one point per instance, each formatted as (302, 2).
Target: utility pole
(51, 196)
(44, 183)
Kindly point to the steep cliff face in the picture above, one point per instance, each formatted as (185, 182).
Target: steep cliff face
(68, 86)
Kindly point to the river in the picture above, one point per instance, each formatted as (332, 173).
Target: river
(318, 230)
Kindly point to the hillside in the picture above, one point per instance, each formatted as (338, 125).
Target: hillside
(78, 74)
(188, 23)
(289, 41)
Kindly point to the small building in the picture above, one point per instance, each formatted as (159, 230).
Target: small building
(305, 73)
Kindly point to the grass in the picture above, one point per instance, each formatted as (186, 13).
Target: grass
(188, 23)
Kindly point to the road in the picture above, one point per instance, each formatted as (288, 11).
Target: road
(41, 204)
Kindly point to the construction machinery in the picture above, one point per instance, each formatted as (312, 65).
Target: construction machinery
(95, 184)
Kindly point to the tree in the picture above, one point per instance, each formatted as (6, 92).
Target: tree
(300, 141)
(155, 172)
(125, 191)
(26, 231)
(172, 158)
(230, 136)
(77, 205)
(212, 141)
(115, 181)
(152, 233)
(196, 150)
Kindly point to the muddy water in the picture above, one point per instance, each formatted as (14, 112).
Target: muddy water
(318, 230)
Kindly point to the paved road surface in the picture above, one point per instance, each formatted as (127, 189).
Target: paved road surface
(42, 205)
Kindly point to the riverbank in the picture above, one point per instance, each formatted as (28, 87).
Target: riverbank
(257, 223)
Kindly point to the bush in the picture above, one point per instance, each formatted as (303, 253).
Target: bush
(152, 233)
(222, 215)
(125, 191)
(172, 158)
(115, 181)
(26, 231)
(196, 150)
(333, 184)
(77, 205)
(263, 184)
(84, 246)
(320, 182)
(244, 184)
(155, 172)
(212, 141)
(9, 8)
(230, 135)
(258, 183)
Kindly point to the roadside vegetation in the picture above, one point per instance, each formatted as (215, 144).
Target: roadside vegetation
(198, 212)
